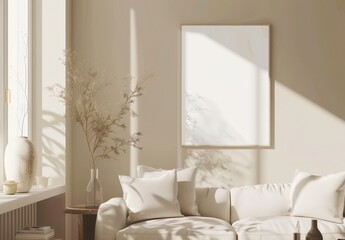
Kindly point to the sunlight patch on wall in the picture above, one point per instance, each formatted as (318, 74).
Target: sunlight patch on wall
(307, 137)
(133, 124)
(49, 114)
(302, 124)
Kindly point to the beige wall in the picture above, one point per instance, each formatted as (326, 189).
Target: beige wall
(50, 213)
(307, 57)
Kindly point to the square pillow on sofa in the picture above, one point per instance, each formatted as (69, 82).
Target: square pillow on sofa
(148, 198)
(186, 186)
(319, 197)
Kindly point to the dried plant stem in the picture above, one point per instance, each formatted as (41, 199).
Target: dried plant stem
(99, 125)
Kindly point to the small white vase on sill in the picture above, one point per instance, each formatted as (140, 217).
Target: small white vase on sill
(94, 191)
(20, 163)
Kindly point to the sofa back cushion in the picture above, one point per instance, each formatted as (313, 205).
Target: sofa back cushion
(259, 201)
(324, 193)
(185, 182)
(213, 202)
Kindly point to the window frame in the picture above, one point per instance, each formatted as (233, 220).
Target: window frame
(4, 99)
(3, 86)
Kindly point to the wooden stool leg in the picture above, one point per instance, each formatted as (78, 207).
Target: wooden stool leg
(89, 222)
(80, 227)
(86, 220)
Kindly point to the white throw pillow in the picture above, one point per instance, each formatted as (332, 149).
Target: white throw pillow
(149, 198)
(319, 197)
(186, 186)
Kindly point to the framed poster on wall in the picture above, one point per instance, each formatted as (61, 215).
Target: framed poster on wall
(225, 86)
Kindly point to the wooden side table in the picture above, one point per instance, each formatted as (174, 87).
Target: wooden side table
(86, 220)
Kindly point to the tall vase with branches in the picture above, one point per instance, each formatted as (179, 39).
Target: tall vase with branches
(98, 123)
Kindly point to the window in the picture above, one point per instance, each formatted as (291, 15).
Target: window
(18, 68)
(15, 69)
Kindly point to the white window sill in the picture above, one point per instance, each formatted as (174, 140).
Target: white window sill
(11, 202)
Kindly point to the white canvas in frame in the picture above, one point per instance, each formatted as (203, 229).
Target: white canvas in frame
(225, 86)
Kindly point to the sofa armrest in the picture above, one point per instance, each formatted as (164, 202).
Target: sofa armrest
(111, 218)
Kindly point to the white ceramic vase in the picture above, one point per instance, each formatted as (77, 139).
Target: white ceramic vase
(20, 163)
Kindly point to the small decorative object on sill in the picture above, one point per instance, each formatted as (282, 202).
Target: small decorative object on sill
(42, 182)
(9, 187)
(20, 163)
(94, 191)
(314, 233)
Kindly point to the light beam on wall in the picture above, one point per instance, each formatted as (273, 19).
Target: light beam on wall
(133, 122)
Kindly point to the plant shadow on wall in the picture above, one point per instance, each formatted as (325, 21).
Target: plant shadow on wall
(100, 126)
(205, 122)
(223, 168)
(52, 150)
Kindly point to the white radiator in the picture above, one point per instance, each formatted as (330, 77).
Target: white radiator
(12, 221)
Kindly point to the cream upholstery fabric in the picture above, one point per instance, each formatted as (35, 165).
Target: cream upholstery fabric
(259, 201)
(111, 218)
(281, 228)
(152, 197)
(214, 202)
(319, 197)
(183, 228)
(185, 183)
(214, 206)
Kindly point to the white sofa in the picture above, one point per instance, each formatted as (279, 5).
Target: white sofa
(258, 212)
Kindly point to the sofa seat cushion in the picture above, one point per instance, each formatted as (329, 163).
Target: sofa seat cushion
(281, 228)
(186, 228)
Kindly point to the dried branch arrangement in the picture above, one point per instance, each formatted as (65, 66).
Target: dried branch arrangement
(99, 124)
